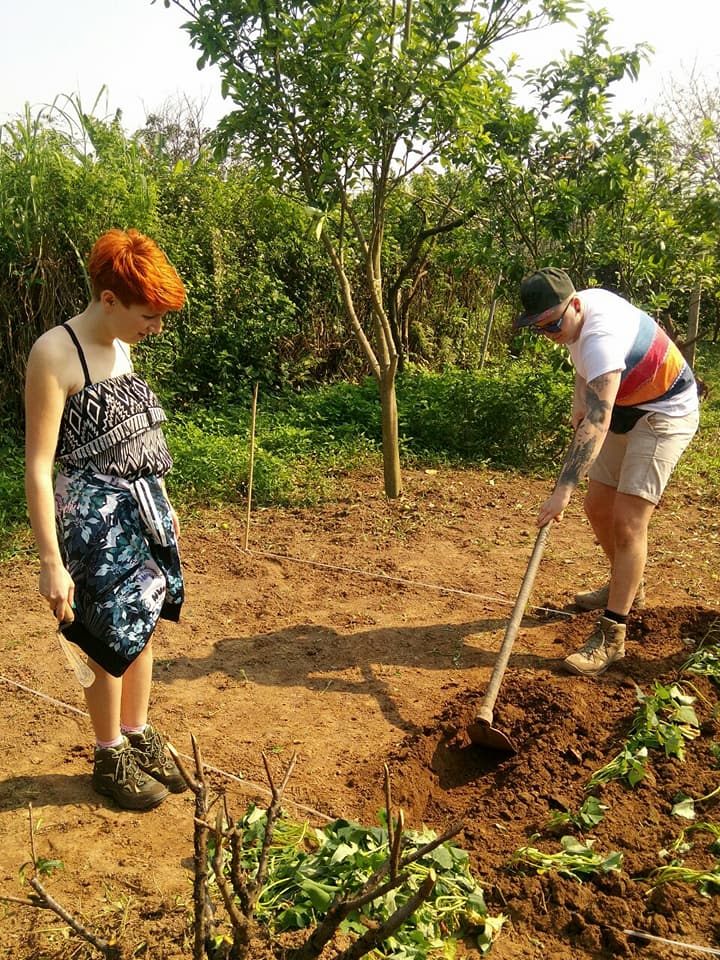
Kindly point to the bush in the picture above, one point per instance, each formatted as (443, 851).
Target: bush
(515, 416)
(13, 513)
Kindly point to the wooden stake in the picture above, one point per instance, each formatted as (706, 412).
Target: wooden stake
(491, 318)
(688, 350)
(252, 465)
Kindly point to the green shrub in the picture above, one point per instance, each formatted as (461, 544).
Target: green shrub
(13, 513)
(516, 415)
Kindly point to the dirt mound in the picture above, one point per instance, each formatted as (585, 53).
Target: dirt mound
(563, 735)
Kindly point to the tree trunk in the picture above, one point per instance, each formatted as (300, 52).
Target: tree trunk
(390, 434)
(692, 330)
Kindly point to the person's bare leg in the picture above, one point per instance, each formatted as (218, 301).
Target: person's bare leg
(630, 528)
(103, 702)
(136, 683)
(600, 511)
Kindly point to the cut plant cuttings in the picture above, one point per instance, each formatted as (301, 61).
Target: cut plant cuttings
(706, 882)
(705, 662)
(589, 816)
(664, 720)
(308, 868)
(576, 860)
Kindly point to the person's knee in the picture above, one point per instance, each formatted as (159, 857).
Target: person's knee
(630, 526)
(598, 505)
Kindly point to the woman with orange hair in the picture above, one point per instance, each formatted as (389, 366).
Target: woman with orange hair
(105, 531)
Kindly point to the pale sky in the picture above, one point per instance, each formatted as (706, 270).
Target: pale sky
(51, 47)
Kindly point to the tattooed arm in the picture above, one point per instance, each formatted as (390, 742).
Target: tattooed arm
(590, 433)
(578, 411)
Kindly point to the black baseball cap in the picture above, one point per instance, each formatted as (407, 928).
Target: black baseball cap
(541, 291)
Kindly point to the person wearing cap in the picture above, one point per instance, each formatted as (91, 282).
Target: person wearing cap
(635, 410)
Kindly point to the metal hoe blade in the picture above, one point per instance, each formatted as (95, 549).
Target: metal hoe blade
(483, 735)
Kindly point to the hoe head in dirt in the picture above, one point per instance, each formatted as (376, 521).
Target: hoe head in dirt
(481, 731)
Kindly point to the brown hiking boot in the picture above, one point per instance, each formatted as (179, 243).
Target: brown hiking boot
(117, 775)
(604, 646)
(149, 749)
(598, 599)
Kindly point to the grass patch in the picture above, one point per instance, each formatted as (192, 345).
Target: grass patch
(699, 466)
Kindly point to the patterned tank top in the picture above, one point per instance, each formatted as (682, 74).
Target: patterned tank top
(113, 427)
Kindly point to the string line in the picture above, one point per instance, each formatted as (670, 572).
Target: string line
(410, 583)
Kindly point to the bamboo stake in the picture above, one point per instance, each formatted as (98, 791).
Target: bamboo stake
(489, 324)
(673, 943)
(252, 465)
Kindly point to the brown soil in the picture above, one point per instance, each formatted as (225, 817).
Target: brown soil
(353, 656)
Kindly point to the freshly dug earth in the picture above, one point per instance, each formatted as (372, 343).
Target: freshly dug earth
(373, 646)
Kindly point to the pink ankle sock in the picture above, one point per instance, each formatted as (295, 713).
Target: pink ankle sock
(125, 729)
(104, 744)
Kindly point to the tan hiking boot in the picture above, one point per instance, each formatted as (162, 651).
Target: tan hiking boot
(604, 646)
(598, 599)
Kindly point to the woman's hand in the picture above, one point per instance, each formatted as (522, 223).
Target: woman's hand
(58, 588)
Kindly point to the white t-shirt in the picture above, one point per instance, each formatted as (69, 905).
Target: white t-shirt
(616, 335)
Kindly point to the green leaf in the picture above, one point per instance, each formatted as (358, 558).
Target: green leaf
(320, 896)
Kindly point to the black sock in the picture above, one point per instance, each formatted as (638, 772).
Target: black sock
(616, 617)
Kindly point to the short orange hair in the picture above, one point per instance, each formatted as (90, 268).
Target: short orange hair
(136, 270)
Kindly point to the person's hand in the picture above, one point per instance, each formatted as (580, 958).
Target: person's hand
(58, 588)
(175, 522)
(553, 508)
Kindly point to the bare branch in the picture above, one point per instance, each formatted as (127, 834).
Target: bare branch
(388, 804)
(273, 812)
(368, 941)
(240, 922)
(113, 951)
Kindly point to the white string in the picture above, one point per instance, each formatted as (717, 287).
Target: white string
(409, 583)
(242, 781)
(673, 943)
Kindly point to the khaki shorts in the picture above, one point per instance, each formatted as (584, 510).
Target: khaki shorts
(640, 461)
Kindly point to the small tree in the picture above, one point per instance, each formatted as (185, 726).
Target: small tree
(557, 171)
(341, 98)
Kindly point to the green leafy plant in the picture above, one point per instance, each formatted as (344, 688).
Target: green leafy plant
(308, 868)
(705, 661)
(576, 860)
(664, 720)
(42, 867)
(589, 816)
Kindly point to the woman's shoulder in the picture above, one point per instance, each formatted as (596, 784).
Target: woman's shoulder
(54, 355)
(55, 344)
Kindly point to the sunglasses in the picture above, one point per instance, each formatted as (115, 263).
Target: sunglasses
(555, 326)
